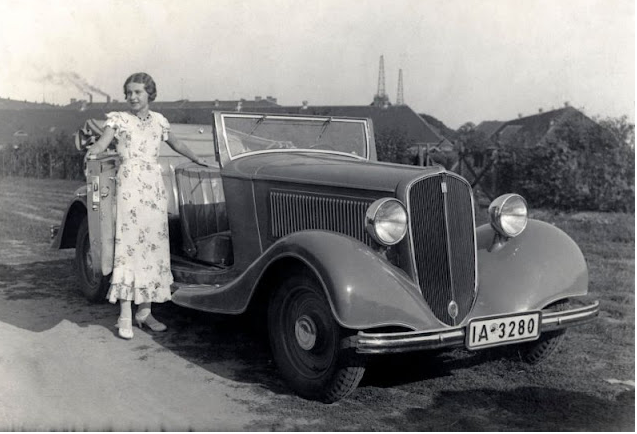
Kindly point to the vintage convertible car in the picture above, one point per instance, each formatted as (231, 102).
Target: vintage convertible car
(345, 256)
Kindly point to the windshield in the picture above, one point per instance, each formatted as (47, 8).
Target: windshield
(260, 133)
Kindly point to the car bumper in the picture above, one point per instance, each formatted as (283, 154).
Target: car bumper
(382, 343)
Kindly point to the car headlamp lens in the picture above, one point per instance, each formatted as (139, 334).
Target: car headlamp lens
(386, 221)
(509, 215)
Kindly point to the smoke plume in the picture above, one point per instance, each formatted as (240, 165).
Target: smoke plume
(70, 78)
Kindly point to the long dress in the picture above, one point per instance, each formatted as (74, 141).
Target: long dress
(141, 268)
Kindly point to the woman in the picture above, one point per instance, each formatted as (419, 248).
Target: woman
(141, 269)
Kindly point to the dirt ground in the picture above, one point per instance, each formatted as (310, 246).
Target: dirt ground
(62, 366)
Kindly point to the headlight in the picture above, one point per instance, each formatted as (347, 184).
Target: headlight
(386, 221)
(508, 215)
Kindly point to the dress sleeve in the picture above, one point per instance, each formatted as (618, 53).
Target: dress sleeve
(113, 120)
(165, 127)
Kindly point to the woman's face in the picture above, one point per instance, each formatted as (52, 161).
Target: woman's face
(137, 97)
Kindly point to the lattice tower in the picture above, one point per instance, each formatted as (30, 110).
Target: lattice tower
(381, 78)
(400, 98)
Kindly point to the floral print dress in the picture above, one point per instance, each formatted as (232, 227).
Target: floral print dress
(141, 269)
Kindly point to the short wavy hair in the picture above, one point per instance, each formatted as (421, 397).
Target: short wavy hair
(146, 80)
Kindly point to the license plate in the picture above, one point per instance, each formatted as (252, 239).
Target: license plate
(487, 332)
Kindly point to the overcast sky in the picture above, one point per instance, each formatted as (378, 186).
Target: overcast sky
(462, 60)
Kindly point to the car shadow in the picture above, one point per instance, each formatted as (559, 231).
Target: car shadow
(406, 368)
(522, 409)
(40, 295)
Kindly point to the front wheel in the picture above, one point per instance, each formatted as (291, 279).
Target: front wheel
(93, 285)
(537, 351)
(306, 342)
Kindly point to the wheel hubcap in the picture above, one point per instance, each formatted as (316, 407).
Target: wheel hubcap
(305, 332)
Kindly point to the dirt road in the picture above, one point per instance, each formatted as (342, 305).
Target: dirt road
(62, 367)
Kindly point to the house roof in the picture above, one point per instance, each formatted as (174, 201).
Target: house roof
(439, 126)
(535, 126)
(174, 105)
(11, 104)
(489, 127)
(38, 123)
(43, 123)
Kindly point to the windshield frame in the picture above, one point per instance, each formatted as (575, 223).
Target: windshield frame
(225, 155)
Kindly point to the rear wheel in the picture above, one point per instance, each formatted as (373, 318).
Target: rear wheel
(93, 285)
(306, 342)
(537, 351)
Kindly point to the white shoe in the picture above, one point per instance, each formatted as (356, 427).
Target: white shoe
(151, 322)
(125, 328)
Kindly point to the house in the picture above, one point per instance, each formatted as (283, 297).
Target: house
(529, 130)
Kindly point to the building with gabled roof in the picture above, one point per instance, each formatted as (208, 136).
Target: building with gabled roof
(489, 127)
(529, 130)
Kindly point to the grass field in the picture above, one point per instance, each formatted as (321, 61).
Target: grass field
(593, 369)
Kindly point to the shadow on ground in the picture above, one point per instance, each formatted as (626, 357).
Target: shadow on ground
(38, 296)
(524, 409)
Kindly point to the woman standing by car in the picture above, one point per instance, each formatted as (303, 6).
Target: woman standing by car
(141, 269)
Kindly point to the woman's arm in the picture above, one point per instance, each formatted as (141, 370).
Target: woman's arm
(102, 143)
(178, 146)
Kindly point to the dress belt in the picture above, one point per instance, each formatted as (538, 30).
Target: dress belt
(138, 161)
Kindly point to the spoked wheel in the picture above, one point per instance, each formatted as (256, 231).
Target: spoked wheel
(306, 342)
(537, 351)
(93, 286)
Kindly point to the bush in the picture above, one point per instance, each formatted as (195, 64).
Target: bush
(44, 158)
(392, 145)
(578, 165)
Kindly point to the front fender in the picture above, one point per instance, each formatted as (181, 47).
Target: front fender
(364, 290)
(528, 272)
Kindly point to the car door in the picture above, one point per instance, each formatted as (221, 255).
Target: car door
(100, 201)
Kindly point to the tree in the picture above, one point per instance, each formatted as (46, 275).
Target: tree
(578, 165)
(474, 141)
(623, 130)
(391, 145)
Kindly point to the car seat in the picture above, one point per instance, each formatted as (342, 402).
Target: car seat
(202, 214)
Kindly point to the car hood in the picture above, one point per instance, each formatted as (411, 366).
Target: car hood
(323, 169)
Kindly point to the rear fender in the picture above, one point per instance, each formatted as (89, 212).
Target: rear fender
(75, 213)
(364, 290)
(528, 272)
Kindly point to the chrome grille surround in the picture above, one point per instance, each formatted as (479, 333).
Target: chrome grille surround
(443, 242)
(296, 211)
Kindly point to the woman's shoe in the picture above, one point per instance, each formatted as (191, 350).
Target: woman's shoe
(125, 328)
(151, 322)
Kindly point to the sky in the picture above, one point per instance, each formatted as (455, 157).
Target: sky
(461, 60)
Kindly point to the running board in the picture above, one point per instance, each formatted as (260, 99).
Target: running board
(213, 298)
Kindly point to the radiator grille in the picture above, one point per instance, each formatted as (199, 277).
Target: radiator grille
(444, 243)
(292, 212)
